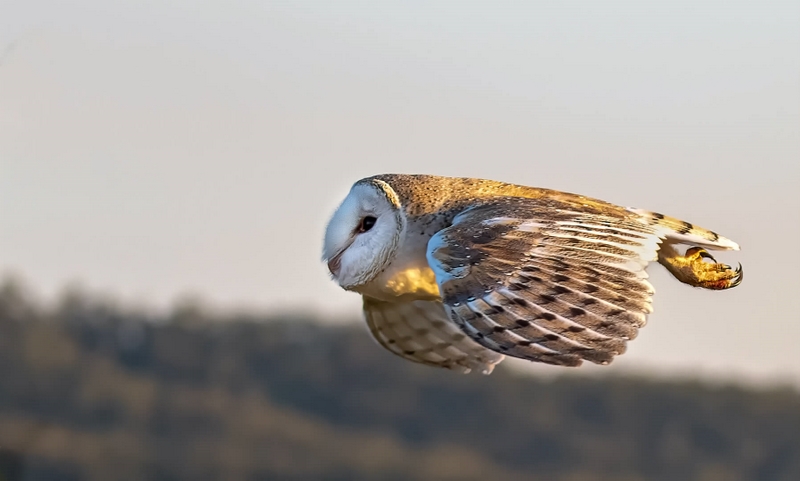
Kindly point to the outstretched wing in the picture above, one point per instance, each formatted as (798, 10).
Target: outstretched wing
(556, 280)
(420, 331)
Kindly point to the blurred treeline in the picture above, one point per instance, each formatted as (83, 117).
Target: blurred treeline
(90, 391)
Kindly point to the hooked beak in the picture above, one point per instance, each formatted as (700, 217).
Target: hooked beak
(335, 262)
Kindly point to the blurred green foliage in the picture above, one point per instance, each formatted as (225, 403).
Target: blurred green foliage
(90, 391)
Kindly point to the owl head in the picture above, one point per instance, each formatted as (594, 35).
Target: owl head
(362, 236)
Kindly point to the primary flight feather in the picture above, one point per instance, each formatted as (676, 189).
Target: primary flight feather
(460, 272)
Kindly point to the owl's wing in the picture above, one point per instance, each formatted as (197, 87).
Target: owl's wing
(420, 331)
(555, 280)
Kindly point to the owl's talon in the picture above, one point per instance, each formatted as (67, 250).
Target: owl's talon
(693, 269)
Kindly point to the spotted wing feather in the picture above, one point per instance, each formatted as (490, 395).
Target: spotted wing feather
(421, 331)
(552, 281)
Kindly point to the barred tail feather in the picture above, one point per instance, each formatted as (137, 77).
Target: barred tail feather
(679, 231)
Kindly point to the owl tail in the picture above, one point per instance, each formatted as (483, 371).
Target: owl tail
(696, 266)
(677, 231)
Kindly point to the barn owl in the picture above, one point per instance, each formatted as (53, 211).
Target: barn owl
(460, 272)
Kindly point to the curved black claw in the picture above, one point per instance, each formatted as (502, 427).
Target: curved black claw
(699, 251)
(705, 255)
(739, 276)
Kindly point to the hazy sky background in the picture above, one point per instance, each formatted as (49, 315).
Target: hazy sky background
(154, 148)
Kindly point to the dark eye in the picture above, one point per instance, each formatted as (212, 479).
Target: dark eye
(367, 223)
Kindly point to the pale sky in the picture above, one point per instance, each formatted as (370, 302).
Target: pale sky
(154, 148)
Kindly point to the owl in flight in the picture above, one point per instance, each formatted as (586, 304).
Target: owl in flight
(460, 272)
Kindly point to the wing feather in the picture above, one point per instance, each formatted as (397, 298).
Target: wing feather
(421, 331)
(552, 283)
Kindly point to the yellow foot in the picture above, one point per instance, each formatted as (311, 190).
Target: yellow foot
(694, 268)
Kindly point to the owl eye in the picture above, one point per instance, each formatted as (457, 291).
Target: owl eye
(367, 223)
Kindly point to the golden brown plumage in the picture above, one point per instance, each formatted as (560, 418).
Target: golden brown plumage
(460, 272)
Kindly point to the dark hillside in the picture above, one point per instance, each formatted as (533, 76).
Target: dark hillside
(92, 392)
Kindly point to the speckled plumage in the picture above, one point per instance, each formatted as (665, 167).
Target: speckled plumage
(467, 271)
